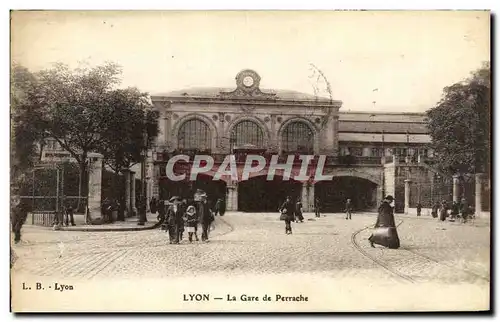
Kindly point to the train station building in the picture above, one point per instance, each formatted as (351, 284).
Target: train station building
(367, 154)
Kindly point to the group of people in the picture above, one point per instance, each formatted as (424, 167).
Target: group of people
(443, 210)
(292, 212)
(179, 215)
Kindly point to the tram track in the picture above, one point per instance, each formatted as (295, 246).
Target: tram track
(418, 258)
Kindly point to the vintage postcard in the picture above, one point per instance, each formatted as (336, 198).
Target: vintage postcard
(250, 161)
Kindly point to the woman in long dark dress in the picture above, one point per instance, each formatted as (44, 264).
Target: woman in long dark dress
(385, 233)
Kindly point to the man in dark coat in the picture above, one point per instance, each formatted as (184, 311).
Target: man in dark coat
(316, 207)
(435, 209)
(288, 210)
(174, 212)
(205, 216)
(298, 211)
(443, 211)
(348, 209)
(419, 209)
(69, 218)
(385, 233)
(455, 210)
(464, 210)
(162, 212)
(153, 205)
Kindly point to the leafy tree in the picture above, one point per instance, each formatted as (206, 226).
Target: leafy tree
(459, 125)
(24, 135)
(130, 131)
(75, 109)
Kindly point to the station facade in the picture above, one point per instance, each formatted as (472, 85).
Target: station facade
(366, 152)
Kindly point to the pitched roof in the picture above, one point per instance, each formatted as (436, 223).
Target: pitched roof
(214, 92)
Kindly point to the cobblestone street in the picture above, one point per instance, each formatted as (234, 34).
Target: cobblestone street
(255, 243)
(250, 252)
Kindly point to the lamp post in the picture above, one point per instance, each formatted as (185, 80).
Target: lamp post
(144, 154)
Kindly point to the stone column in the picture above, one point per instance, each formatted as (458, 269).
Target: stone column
(335, 132)
(330, 142)
(152, 178)
(305, 197)
(221, 130)
(311, 197)
(479, 194)
(132, 193)
(380, 196)
(275, 141)
(126, 176)
(95, 182)
(167, 122)
(456, 188)
(407, 195)
(232, 198)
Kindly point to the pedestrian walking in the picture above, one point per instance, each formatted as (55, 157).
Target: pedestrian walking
(287, 213)
(19, 213)
(162, 212)
(419, 209)
(385, 233)
(153, 206)
(464, 210)
(348, 209)
(173, 213)
(317, 208)
(443, 211)
(435, 209)
(191, 223)
(180, 220)
(298, 211)
(68, 215)
(205, 216)
(455, 210)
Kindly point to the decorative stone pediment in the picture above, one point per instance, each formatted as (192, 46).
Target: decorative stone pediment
(247, 86)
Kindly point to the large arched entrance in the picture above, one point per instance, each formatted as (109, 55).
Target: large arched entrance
(333, 194)
(260, 195)
(186, 189)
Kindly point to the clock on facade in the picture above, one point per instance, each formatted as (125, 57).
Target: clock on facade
(248, 81)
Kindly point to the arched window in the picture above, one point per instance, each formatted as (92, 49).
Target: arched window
(247, 132)
(298, 137)
(194, 134)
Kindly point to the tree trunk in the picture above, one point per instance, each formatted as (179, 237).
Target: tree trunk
(118, 195)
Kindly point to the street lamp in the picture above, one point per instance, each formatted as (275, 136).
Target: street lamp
(144, 153)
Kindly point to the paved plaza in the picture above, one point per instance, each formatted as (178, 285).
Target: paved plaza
(255, 245)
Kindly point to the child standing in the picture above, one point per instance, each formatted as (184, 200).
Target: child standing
(191, 223)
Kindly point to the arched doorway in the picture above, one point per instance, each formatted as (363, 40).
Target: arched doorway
(257, 194)
(333, 194)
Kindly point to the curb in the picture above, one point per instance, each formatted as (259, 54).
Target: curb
(92, 229)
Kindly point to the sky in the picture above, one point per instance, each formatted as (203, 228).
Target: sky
(400, 59)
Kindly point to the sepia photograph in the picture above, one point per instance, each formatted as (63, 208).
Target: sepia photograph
(250, 161)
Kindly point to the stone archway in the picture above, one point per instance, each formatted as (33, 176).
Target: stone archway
(258, 194)
(333, 194)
